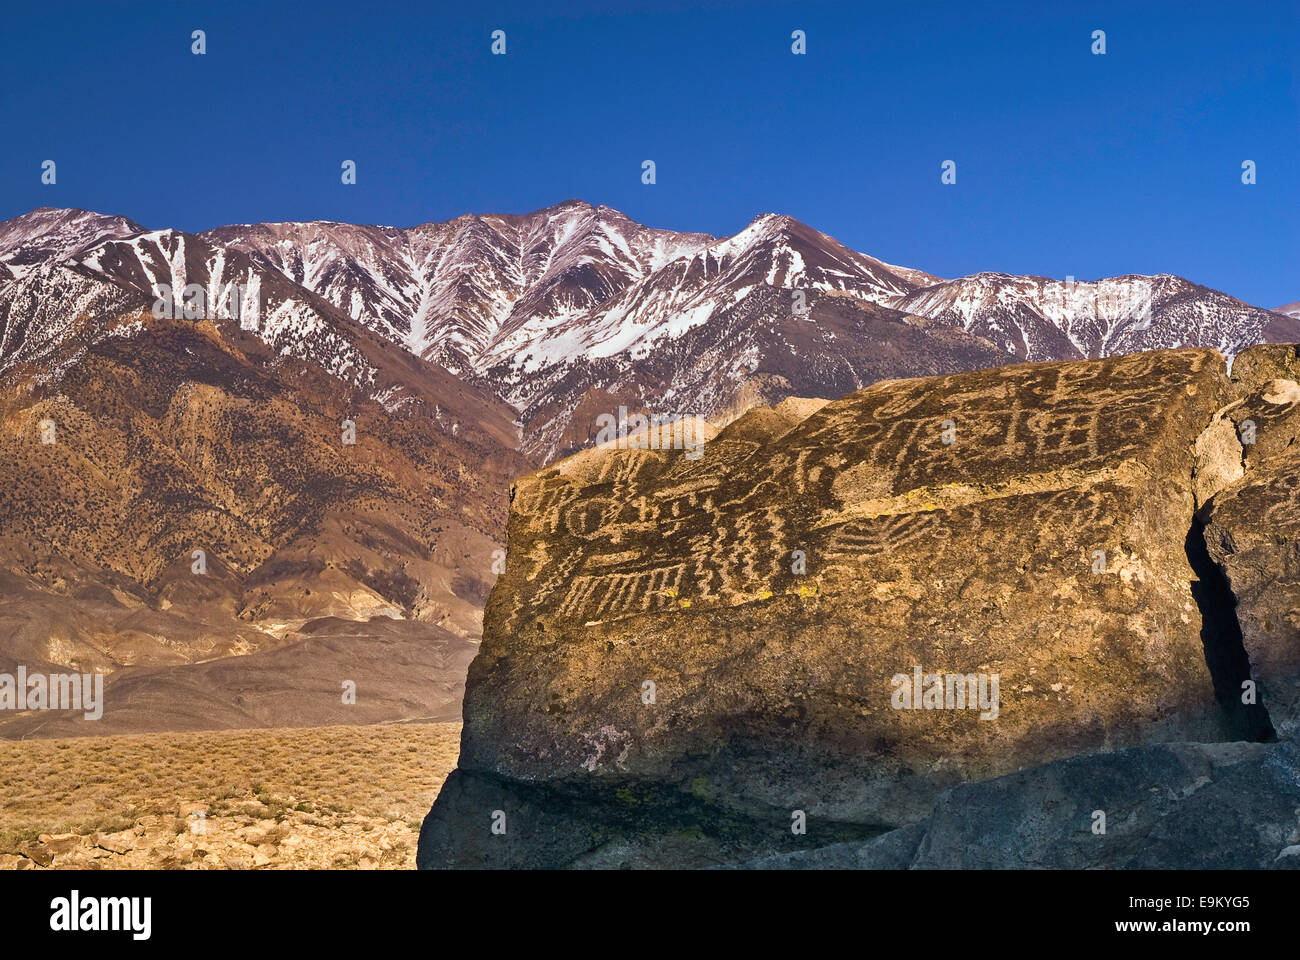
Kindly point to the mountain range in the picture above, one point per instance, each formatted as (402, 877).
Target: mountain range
(165, 392)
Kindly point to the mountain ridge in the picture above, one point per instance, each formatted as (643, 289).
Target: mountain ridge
(543, 309)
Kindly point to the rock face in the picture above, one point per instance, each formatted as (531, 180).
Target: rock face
(1175, 806)
(1165, 806)
(826, 622)
(1253, 530)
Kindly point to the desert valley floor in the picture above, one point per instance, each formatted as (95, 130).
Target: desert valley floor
(322, 797)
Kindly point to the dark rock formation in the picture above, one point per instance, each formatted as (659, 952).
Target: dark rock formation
(1165, 806)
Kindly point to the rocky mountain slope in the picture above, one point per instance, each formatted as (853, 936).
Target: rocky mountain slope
(1290, 309)
(446, 291)
(49, 233)
(810, 634)
(281, 487)
(752, 353)
(1035, 318)
(561, 311)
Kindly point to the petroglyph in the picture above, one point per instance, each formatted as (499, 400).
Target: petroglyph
(870, 537)
(593, 598)
(1059, 428)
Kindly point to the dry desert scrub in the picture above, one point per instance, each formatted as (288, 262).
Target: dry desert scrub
(312, 796)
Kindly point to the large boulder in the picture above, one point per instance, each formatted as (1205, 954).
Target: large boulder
(826, 622)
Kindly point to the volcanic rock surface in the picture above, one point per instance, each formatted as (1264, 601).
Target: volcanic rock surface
(1177, 806)
(686, 660)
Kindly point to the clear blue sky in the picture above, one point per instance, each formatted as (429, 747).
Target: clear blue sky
(1067, 163)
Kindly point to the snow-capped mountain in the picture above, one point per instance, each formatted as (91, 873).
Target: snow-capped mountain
(48, 233)
(533, 307)
(1035, 318)
(118, 284)
(743, 318)
(572, 305)
(1285, 325)
(772, 251)
(448, 291)
(325, 477)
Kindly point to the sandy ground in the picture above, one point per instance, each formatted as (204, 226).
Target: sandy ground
(319, 797)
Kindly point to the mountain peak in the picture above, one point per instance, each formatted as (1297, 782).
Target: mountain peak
(572, 203)
(778, 220)
(53, 215)
(521, 298)
(57, 233)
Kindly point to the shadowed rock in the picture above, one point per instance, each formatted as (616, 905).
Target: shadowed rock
(1254, 526)
(1160, 807)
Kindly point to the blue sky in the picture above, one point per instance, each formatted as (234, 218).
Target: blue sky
(1067, 163)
